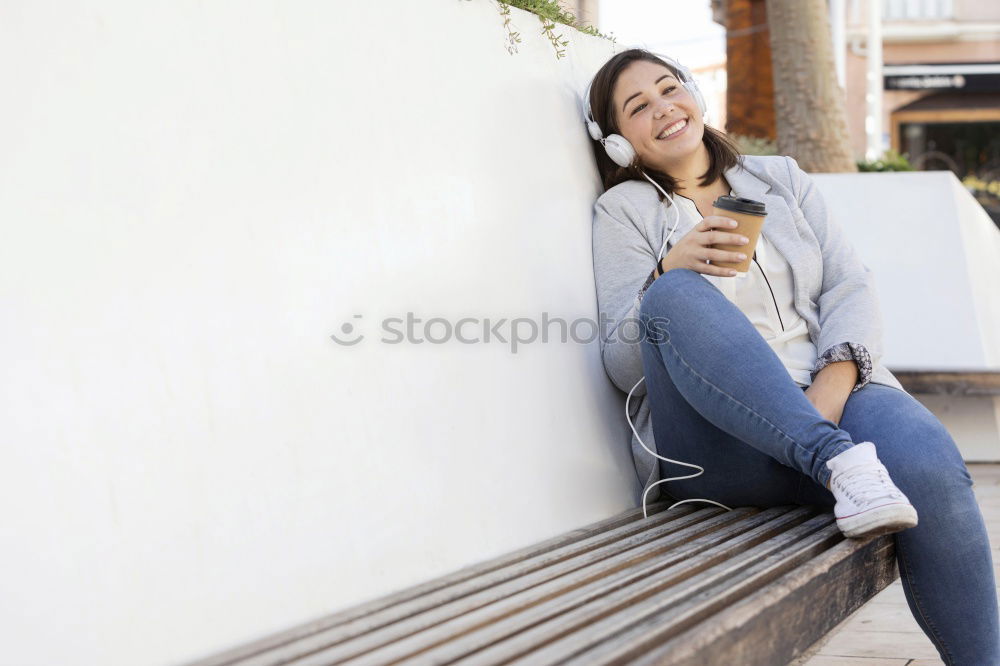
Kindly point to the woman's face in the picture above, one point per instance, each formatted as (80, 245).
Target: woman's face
(657, 115)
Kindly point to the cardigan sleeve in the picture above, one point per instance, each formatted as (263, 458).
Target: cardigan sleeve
(623, 270)
(848, 304)
(847, 351)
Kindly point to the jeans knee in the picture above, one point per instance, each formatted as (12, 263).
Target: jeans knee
(667, 292)
(680, 295)
(936, 466)
(933, 475)
(662, 297)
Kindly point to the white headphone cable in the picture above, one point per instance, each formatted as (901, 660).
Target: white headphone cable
(701, 470)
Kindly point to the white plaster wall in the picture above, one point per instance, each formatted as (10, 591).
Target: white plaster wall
(935, 255)
(193, 197)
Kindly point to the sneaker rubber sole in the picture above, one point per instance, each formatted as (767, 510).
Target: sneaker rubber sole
(885, 519)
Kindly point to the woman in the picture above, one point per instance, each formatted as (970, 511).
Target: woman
(770, 382)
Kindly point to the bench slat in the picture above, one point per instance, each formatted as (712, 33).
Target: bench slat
(617, 579)
(419, 615)
(617, 590)
(782, 621)
(647, 624)
(297, 632)
(942, 382)
(566, 633)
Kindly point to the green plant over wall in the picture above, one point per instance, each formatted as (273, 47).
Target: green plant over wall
(890, 161)
(549, 12)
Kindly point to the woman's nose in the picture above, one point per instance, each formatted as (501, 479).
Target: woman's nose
(663, 107)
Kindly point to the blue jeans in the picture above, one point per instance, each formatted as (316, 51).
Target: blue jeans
(720, 398)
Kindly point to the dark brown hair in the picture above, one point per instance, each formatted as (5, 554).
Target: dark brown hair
(722, 153)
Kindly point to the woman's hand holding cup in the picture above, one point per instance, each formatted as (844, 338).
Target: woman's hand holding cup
(695, 248)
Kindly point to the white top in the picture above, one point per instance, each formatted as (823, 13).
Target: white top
(765, 295)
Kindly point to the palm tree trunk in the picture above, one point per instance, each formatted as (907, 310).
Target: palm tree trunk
(810, 111)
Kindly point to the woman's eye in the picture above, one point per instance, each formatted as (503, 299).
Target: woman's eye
(666, 91)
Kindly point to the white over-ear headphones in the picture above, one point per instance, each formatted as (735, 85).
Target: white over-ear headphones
(617, 147)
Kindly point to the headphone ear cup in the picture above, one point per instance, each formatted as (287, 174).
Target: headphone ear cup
(619, 150)
(695, 91)
(595, 131)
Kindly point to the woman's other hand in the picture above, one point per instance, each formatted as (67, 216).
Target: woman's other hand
(695, 248)
(828, 401)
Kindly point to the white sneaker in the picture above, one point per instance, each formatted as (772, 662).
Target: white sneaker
(868, 502)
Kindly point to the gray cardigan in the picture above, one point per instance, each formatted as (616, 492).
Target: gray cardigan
(834, 291)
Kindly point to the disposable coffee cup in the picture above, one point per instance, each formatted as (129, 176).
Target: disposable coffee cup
(749, 216)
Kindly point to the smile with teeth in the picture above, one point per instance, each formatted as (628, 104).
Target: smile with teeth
(673, 129)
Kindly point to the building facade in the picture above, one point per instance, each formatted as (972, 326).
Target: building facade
(941, 81)
(940, 90)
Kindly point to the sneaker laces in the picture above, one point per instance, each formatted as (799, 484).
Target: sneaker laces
(867, 482)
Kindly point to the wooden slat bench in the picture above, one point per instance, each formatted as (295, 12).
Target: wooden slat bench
(950, 382)
(691, 585)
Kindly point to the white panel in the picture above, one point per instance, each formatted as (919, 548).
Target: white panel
(935, 255)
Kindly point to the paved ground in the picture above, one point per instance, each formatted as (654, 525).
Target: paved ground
(883, 632)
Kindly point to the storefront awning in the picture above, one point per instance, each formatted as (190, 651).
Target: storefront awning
(953, 100)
